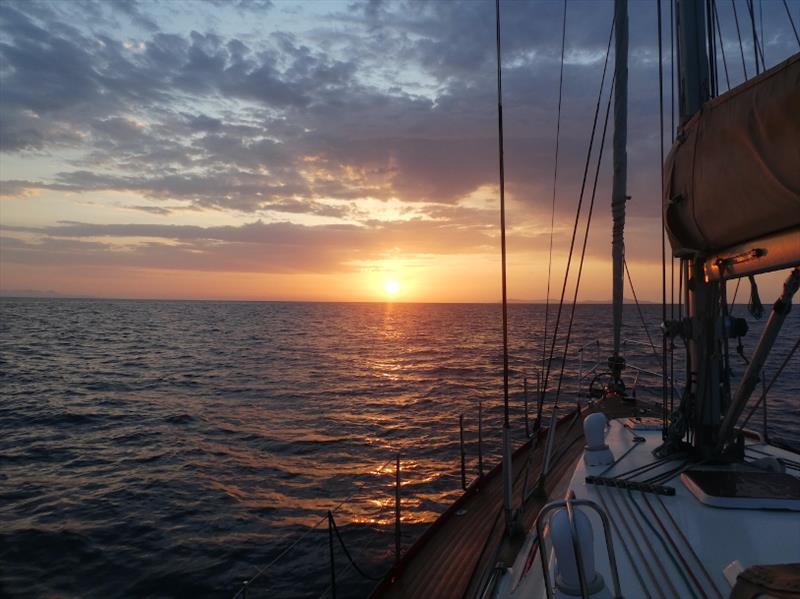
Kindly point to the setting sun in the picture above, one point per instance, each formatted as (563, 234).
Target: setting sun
(391, 287)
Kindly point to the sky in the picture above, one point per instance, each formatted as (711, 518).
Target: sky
(333, 151)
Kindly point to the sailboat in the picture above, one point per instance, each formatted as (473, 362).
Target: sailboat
(618, 499)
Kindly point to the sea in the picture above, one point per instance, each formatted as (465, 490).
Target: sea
(179, 448)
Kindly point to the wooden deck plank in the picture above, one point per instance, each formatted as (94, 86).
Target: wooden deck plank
(455, 559)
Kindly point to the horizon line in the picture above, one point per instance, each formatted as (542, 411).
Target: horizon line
(59, 296)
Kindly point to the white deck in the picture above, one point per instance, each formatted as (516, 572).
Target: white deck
(716, 537)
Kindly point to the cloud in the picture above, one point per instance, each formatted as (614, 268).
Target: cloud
(388, 102)
(266, 247)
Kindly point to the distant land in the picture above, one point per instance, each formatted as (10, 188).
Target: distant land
(32, 293)
(626, 300)
(51, 294)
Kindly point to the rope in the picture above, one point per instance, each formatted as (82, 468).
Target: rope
(677, 551)
(688, 544)
(632, 561)
(739, 35)
(623, 517)
(726, 372)
(649, 545)
(791, 21)
(754, 306)
(553, 208)
(639, 308)
(735, 293)
(577, 218)
(294, 543)
(630, 500)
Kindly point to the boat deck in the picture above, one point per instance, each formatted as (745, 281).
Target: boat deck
(456, 556)
(680, 543)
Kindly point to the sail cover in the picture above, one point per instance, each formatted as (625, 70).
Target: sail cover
(733, 174)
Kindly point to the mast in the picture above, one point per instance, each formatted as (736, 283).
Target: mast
(507, 465)
(693, 74)
(694, 199)
(619, 191)
(703, 297)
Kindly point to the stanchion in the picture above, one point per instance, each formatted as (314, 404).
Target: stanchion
(397, 512)
(480, 439)
(525, 395)
(463, 457)
(330, 546)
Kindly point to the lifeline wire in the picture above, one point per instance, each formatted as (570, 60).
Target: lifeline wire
(306, 533)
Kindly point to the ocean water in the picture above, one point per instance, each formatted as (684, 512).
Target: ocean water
(156, 448)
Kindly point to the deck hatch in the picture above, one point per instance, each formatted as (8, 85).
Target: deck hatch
(744, 489)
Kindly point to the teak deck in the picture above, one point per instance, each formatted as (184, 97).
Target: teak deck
(456, 555)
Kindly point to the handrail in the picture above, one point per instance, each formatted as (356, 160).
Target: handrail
(576, 546)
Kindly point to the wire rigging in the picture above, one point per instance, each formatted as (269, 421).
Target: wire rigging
(791, 21)
(502, 216)
(763, 39)
(721, 45)
(757, 52)
(663, 231)
(639, 308)
(577, 217)
(739, 35)
(711, 48)
(545, 366)
(585, 241)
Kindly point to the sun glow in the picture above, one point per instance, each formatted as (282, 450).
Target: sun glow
(391, 287)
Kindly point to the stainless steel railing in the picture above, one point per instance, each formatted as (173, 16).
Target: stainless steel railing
(570, 503)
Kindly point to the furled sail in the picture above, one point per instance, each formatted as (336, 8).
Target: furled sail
(733, 175)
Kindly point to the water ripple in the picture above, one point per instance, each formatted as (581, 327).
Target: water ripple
(173, 448)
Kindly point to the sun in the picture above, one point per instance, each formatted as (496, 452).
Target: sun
(391, 287)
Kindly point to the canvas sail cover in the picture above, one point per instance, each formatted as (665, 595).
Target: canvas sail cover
(733, 175)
